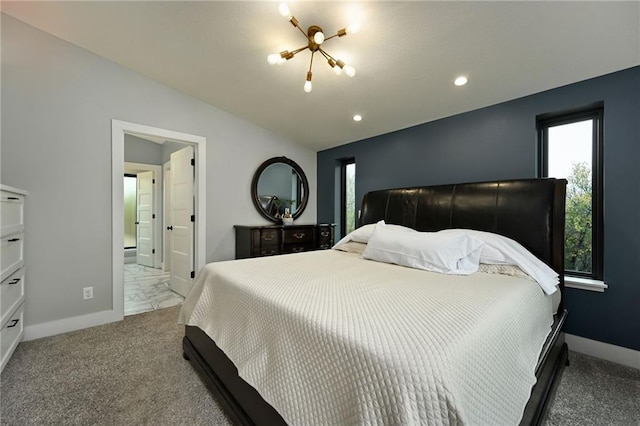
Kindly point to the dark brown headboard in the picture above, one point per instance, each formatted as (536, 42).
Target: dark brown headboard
(530, 211)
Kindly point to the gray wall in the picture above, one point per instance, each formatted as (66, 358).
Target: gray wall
(57, 105)
(499, 142)
(138, 150)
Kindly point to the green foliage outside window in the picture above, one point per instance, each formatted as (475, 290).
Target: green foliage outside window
(578, 226)
(350, 198)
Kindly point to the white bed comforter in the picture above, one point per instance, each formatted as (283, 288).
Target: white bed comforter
(328, 338)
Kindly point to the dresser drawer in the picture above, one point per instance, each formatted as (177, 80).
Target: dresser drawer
(11, 212)
(265, 251)
(11, 294)
(298, 235)
(10, 335)
(265, 237)
(325, 237)
(12, 254)
(297, 248)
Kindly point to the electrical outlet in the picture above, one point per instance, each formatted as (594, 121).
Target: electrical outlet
(87, 293)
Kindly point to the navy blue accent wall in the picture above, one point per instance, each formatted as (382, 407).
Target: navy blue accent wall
(499, 142)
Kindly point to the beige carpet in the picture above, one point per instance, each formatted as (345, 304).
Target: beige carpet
(132, 373)
(126, 373)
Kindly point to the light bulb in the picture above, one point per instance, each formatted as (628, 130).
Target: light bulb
(274, 58)
(460, 81)
(349, 70)
(357, 117)
(318, 37)
(337, 70)
(284, 11)
(353, 28)
(307, 86)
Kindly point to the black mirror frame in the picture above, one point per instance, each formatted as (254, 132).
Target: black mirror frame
(254, 187)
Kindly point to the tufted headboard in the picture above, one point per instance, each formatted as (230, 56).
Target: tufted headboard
(530, 211)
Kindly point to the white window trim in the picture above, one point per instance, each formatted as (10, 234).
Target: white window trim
(585, 284)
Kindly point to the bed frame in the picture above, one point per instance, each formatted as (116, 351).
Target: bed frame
(530, 211)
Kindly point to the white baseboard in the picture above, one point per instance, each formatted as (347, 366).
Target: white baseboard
(618, 354)
(52, 328)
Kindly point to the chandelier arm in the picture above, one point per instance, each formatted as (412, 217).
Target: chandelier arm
(300, 29)
(333, 36)
(326, 55)
(298, 50)
(311, 61)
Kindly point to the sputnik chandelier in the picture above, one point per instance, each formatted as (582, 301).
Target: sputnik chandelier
(315, 38)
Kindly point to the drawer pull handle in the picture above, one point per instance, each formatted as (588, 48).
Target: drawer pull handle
(13, 198)
(269, 238)
(298, 249)
(268, 253)
(13, 240)
(14, 323)
(299, 235)
(324, 233)
(14, 281)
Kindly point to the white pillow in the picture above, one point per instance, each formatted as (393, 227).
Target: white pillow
(430, 251)
(501, 250)
(362, 234)
(351, 247)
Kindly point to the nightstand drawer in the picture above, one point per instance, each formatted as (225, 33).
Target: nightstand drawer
(11, 294)
(12, 254)
(298, 235)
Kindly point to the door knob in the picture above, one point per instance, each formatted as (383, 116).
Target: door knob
(170, 228)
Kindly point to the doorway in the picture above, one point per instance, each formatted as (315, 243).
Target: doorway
(146, 282)
(194, 253)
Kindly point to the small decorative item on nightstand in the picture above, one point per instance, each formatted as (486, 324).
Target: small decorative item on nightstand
(287, 219)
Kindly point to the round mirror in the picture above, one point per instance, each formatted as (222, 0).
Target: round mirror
(279, 184)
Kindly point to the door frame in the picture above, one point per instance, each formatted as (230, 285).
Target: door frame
(158, 175)
(166, 249)
(118, 130)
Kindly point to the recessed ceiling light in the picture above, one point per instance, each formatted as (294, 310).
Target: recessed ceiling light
(357, 117)
(460, 81)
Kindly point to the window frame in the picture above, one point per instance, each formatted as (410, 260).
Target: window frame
(343, 195)
(593, 112)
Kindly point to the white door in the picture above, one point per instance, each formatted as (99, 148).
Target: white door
(145, 214)
(182, 210)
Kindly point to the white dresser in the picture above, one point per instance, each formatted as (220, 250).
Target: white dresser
(12, 276)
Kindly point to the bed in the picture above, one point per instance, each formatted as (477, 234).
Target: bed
(286, 321)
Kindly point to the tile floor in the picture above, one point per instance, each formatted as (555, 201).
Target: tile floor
(147, 289)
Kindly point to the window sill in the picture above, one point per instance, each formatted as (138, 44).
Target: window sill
(585, 284)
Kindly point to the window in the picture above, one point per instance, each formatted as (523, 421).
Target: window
(570, 147)
(348, 178)
(130, 202)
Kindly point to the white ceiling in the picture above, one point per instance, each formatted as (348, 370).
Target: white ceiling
(407, 55)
